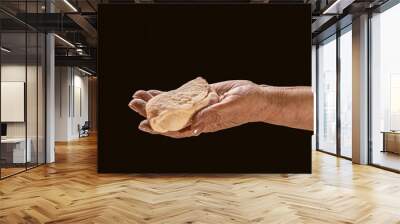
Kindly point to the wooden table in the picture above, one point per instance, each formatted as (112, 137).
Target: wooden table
(391, 141)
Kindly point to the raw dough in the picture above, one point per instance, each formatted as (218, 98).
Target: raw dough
(173, 110)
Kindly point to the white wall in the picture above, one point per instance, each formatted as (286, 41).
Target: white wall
(14, 73)
(71, 102)
(80, 84)
(62, 81)
(17, 73)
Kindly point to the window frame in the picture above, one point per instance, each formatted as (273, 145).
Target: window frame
(333, 37)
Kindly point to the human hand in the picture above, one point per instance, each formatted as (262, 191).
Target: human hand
(237, 103)
(138, 104)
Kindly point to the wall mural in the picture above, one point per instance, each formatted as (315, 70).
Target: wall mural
(205, 88)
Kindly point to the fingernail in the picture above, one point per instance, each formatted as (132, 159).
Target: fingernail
(142, 128)
(131, 105)
(195, 131)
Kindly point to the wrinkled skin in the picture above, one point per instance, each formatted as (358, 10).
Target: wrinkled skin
(238, 102)
(228, 109)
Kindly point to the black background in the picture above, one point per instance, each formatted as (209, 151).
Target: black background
(157, 46)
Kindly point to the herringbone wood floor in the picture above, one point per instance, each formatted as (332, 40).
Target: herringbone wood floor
(70, 191)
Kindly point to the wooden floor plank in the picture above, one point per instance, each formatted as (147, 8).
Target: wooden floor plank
(71, 191)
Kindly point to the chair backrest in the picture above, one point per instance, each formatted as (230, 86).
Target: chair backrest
(86, 125)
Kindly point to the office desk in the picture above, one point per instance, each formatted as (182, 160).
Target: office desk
(13, 150)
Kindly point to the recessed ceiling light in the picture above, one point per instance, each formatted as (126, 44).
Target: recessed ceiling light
(84, 71)
(65, 41)
(70, 5)
(5, 50)
(337, 7)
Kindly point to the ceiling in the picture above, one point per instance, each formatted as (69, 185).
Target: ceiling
(76, 20)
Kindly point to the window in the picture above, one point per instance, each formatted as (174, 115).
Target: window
(346, 92)
(327, 95)
(385, 89)
(334, 106)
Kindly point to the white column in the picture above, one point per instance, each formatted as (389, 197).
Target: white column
(360, 90)
(50, 92)
(50, 99)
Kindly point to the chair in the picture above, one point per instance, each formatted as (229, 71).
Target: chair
(84, 130)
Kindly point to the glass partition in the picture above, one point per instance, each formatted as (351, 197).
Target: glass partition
(13, 90)
(22, 92)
